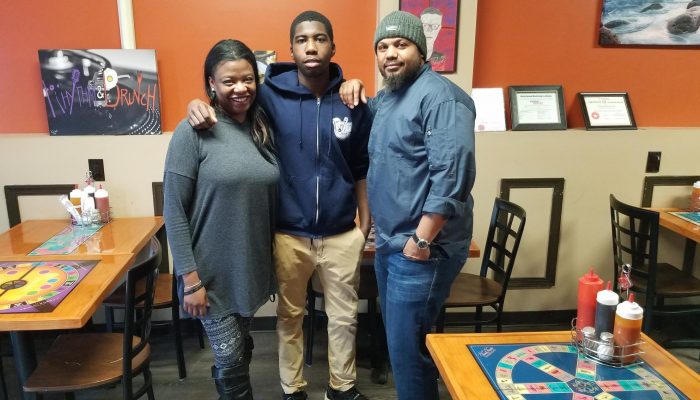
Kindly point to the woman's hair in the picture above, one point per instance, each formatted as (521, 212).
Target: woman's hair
(234, 50)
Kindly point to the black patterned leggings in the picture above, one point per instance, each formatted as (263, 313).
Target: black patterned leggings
(227, 337)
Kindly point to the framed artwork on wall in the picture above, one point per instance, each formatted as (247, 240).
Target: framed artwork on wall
(537, 108)
(100, 91)
(439, 18)
(606, 111)
(654, 23)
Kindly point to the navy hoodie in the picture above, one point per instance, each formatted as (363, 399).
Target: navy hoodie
(322, 150)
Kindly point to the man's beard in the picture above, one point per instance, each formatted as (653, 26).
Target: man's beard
(396, 81)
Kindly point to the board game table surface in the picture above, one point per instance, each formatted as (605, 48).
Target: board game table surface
(465, 378)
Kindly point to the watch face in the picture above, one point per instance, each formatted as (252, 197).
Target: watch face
(421, 243)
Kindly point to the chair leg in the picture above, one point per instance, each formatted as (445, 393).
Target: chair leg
(380, 352)
(109, 319)
(648, 315)
(309, 351)
(148, 378)
(179, 352)
(2, 379)
(477, 317)
(200, 335)
(499, 312)
(440, 323)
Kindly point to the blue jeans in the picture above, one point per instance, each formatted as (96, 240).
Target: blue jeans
(411, 294)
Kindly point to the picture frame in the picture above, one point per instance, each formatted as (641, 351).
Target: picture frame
(537, 108)
(606, 111)
(101, 91)
(656, 23)
(440, 24)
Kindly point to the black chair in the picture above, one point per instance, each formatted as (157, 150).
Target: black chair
(470, 290)
(635, 235)
(81, 361)
(166, 293)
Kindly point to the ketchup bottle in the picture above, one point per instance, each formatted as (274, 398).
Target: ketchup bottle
(102, 204)
(588, 287)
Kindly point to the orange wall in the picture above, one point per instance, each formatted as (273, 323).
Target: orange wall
(181, 31)
(541, 42)
(532, 42)
(27, 26)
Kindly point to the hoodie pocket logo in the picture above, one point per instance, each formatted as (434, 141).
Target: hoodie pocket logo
(342, 128)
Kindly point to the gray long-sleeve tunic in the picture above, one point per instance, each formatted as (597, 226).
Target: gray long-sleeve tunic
(219, 202)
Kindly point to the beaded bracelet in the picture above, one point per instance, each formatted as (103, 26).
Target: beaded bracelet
(193, 288)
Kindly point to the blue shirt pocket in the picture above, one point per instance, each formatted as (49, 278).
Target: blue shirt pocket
(440, 146)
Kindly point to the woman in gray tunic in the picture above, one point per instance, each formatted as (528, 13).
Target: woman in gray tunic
(220, 191)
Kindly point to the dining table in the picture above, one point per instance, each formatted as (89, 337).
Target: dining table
(531, 365)
(112, 249)
(687, 229)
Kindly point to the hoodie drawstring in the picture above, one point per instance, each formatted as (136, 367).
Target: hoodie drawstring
(332, 126)
(301, 124)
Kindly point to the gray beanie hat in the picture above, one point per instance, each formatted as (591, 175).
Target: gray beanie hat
(401, 24)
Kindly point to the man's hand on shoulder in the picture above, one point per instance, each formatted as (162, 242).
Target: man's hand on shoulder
(200, 114)
(352, 92)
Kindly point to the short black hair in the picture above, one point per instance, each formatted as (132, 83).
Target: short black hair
(311, 16)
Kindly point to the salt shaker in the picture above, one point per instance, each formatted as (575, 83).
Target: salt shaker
(606, 347)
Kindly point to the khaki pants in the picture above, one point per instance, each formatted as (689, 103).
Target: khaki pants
(336, 259)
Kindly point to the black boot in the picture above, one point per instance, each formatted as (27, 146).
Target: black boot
(233, 383)
(248, 350)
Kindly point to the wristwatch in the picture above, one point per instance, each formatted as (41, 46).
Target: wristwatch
(420, 242)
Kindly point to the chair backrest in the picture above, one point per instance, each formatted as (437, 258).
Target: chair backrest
(13, 192)
(502, 241)
(140, 289)
(635, 236)
(650, 182)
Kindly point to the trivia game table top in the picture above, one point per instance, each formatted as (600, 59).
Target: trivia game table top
(544, 366)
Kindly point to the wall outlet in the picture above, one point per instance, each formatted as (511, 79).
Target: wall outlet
(653, 161)
(97, 167)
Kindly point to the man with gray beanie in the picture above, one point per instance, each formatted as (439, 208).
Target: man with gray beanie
(421, 173)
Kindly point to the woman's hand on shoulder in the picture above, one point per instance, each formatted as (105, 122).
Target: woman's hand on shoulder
(200, 114)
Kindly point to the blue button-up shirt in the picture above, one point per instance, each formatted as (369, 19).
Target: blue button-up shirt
(422, 161)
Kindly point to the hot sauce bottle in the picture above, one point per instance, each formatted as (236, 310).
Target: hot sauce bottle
(627, 330)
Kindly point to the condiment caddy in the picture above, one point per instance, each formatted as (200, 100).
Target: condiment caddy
(603, 350)
(605, 330)
(88, 206)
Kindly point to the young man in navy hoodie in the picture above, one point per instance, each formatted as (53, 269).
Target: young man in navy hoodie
(323, 160)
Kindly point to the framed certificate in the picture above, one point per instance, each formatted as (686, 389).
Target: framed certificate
(536, 108)
(606, 111)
